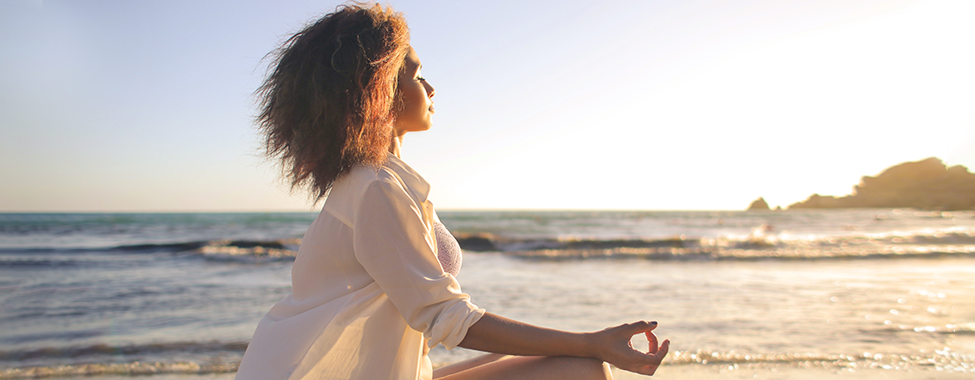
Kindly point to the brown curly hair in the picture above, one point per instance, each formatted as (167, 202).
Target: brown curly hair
(329, 102)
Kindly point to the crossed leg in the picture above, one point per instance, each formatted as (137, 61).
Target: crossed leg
(497, 367)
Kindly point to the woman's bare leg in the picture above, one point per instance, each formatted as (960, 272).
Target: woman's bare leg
(467, 364)
(535, 368)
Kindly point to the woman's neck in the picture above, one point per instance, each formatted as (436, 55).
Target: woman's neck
(396, 145)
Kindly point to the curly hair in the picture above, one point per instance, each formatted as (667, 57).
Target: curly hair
(329, 102)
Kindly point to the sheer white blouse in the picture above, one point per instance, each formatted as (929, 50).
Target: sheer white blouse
(369, 295)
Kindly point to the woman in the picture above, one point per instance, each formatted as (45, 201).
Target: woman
(373, 282)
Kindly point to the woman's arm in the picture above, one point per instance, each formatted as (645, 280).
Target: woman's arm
(494, 333)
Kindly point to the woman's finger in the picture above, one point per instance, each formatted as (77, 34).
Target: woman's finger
(658, 357)
(653, 342)
(662, 352)
(641, 326)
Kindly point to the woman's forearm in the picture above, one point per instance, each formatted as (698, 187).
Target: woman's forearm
(494, 333)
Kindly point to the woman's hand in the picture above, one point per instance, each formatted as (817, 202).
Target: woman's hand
(494, 333)
(613, 346)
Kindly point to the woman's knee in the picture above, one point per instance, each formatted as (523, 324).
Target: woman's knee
(587, 368)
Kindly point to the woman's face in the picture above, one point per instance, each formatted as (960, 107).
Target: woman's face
(417, 112)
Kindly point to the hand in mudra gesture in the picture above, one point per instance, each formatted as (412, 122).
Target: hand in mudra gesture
(616, 349)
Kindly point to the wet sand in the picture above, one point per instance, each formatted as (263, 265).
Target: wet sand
(693, 372)
(724, 372)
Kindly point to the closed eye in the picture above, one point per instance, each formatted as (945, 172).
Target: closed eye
(422, 79)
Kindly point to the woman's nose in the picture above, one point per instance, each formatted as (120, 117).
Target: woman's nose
(430, 90)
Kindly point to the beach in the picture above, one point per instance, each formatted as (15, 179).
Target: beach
(693, 373)
(770, 295)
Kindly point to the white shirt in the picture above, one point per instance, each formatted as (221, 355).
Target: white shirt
(367, 288)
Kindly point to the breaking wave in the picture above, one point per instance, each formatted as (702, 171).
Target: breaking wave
(197, 348)
(940, 360)
(761, 244)
(117, 369)
(218, 250)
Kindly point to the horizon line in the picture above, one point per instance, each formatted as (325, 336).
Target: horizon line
(319, 210)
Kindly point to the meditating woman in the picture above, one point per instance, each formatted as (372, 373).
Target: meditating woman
(374, 282)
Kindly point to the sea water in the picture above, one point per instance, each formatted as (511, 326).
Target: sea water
(812, 292)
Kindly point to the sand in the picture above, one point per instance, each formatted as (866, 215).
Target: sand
(692, 372)
(725, 372)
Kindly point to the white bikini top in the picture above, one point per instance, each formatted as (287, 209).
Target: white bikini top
(448, 250)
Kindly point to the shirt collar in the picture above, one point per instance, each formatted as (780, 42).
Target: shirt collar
(341, 198)
(418, 187)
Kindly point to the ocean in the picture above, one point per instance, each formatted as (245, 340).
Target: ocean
(866, 293)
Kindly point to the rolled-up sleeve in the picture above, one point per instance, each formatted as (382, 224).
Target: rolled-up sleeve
(395, 247)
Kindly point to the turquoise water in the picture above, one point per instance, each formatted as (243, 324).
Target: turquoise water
(130, 294)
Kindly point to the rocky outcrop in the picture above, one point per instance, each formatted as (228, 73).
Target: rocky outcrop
(925, 184)
(476, 242)
(758, 205)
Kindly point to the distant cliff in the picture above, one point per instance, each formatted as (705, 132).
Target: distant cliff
(758, 205)
(926, 184)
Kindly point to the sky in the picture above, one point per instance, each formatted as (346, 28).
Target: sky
(148, 106)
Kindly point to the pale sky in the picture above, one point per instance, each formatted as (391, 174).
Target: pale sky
(660, 105)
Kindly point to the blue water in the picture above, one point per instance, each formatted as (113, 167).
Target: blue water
(130, 294)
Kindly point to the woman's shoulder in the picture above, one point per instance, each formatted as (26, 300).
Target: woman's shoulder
(363, 176)
(347, 191)
(393, 174)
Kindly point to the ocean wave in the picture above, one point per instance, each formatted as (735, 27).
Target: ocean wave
(117, 369)
(245, 254)
(761, 237)
(761, 244)
(950, 329)
(726, 254)
(488, 242)
(764, 242)
(939, 360)
(282, 244)
(39, 263)
(215, 249)
(103, 349)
